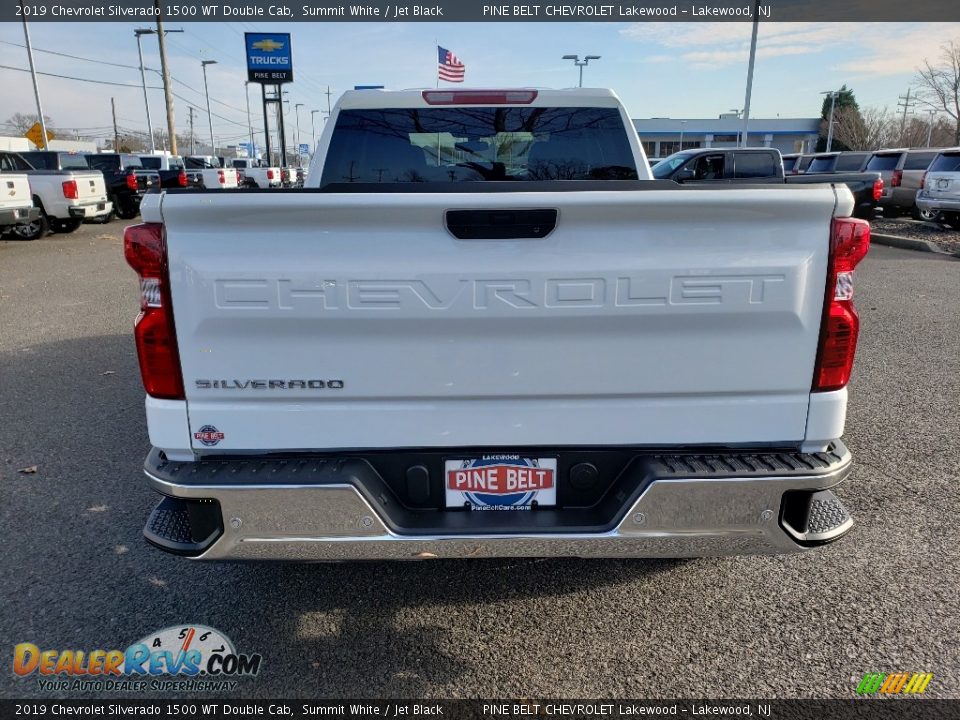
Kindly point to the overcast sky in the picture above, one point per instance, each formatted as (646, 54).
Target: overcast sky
(659, 69)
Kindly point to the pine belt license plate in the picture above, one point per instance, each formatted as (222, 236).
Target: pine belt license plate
(500, 482)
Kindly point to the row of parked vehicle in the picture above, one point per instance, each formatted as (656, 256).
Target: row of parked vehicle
(922, 182)
(54, 190)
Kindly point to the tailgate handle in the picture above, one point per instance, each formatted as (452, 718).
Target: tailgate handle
(503, 224)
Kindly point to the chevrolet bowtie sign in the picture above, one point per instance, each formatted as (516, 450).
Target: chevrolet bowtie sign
(269, 59)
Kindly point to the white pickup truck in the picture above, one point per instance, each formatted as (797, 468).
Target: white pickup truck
(255, 173)
(16, 200)
(485, 330)
(211, 175)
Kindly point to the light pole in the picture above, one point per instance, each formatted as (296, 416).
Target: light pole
(833, 103)
(682, 126)
(931, 113)
(206, 92)
(753, 57)
(246, 92)
(140, 32)
(296, 109)
(33, 74)
(313, 132)
(581, 63)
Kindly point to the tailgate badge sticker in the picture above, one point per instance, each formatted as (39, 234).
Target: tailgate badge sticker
(208, 435)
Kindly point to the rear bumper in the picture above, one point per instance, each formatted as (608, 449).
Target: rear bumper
(339, 508)
(18, 216)
(925, 202)
(91, 210)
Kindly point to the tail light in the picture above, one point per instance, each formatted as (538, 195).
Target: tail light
(923, 180)
(70, 190)
(182, 179)
(877, 188)
(144, 247)
(131, 181)
(221, 177)
(849, 242)
(897, 178)
(269, 174)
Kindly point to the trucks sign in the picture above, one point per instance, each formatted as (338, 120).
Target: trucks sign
(269, 58)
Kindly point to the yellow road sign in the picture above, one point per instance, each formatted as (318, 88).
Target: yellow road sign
(35, 135)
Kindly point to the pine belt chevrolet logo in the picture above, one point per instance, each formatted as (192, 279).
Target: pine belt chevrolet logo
(894, 683)
(267, 45)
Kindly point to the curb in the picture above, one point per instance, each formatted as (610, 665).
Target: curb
(909, 244)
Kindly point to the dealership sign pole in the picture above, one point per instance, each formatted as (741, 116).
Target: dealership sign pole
(270, 62)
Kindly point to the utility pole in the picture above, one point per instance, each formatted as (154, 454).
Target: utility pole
(167, 94)
(931, 113)
(750, 64)
(833, 104)
(192, 149)
(33, 74)
(140, 32)
(296, 109)
(116, 135)
(328, 94)
(246, 93)
(906, 104)
(313, 132)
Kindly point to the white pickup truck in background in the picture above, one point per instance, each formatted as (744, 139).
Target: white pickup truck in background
(485, 330)
(255, 173)
(207, 169)
(16, 200)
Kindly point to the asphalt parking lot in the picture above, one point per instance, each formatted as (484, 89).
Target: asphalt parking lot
(76, 573)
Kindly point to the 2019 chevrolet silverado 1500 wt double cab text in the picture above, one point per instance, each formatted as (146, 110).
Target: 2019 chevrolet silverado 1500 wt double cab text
(485, 330)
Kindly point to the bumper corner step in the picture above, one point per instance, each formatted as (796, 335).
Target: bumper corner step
(184, 527)
(815, 518)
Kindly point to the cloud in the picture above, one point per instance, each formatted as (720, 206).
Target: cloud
(874, 49)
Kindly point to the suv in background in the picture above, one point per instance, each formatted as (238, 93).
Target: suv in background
(900, 196)
(940, 187)
(834, 162)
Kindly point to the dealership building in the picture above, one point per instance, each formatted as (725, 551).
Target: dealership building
(663, 136)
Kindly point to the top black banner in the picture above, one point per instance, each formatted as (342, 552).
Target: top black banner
(853, 11)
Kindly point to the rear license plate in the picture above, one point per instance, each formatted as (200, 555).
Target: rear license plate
(500, 482)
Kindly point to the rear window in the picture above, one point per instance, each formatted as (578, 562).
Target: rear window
(201, 163)
(918, 161)
(130, 161)
(948, 162)
(40, 160)
(451, 145)
(821, 164)
(884, 162)
(151, 163)
(850, 162)
(72, 161)
(754, 165)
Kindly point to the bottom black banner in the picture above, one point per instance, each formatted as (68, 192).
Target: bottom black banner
(876, 709)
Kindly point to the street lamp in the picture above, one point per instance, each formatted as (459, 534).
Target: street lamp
(296, 109)
(206, 92)
(833, 103)
(140, 32)
(581, 63)
(682, 126)
(246, 92)
(313, 132)
(931, 113)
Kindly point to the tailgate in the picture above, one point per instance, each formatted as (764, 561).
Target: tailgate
(309, 321)
(15, 191)
(944, 185)
(90, 186)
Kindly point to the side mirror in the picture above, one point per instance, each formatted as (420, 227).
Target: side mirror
(684, 175)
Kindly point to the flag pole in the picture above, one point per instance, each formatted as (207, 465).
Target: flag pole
(436, 45)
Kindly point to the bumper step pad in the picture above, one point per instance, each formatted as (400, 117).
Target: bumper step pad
(815, 518)
(184, 527)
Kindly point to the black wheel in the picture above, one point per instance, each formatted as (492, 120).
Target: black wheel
(926, 215)
(65, 226)
(127, 213)
(31, 231)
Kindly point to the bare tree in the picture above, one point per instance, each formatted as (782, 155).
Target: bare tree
(868, 129)
(21, 122)
(940, 85)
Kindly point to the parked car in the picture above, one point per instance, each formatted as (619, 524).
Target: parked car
(127, 180)
(211, 173)
(600, 363)
(256, 173)
(833, 162)
(65, 197)
(940, 188)
(796, 163)
(170, 168)
(900, 195)
(762, 165)
(16, 200)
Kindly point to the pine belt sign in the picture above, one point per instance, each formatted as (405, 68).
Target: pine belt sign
(269, 58)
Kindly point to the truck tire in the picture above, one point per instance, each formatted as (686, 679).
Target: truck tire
(65, 226)
(925, 215)
(127, 213)
(32, 231)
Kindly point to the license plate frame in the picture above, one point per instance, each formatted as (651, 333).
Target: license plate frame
(500, 481)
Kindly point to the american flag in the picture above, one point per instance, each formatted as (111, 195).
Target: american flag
(449, 67)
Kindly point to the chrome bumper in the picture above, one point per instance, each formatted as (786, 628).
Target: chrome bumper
(672, 517)
(925, 202)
